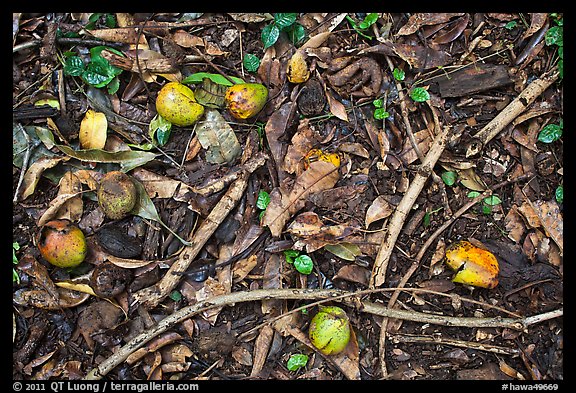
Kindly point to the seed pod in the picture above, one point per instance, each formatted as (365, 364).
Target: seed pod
(297, 69)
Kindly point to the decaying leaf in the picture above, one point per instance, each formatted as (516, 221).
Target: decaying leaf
(73, 208)
(93, 130)
(419, 19)
(378, 210)
(218, 138)
(210, 94)
(284, 203)
(344, 250)
(41, 299)
(34, 172)
(302, 142)
(310, 232)
(473, 265)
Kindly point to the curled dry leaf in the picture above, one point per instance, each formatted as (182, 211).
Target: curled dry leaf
(34, 172)
(379, 209)
(284, 203)
(93, 130)
(218, 138)
(40, 298)
(419, 19)
(473, 265)
(311, 232)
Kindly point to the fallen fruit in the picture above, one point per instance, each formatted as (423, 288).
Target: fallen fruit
(117, 195)
(297, 69)
(473, 265)
(176, 103)
(62, 243)
(245, 100)
(329, 330)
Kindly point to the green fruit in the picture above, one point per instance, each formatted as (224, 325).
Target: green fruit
(117, 195)
(245, 100)
(62, 243)
(329, 330)
(176, 104)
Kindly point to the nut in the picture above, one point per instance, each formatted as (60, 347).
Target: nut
(117, 195)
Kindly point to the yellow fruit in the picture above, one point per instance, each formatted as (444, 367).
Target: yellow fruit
(62, 243)
(297, 70)
(329, 330)
(117, 195)
(176, 103)
(473, 265)
(245, 100)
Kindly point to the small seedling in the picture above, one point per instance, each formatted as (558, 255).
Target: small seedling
(15, 276)
(262, 201)
(559, 194)
(363, 26)
(297, 361)
(419, 94)
(302, 262)
(551, 132)
(283, 22)
(488, 202)
(251, 62)
(98, 72)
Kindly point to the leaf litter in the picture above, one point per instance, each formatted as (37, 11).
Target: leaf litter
(198, 191)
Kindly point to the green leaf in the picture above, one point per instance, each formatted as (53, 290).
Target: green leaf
(486, 209)
(554, 36)
(74, 66)
(449, 178)
(492, 200)
(15, 247)
(263, 200)
(399, 74)
(145, 208)
(128, 159)
(426, 220)
(510, 25)
(251, 62)
(270, 34)
(216, 78)
(304, 264)
(346, 251)
(368, 21)
(378, 103)
(284, 20)
(550, 133)
(381, 114)
(297, 361)
(473, 194)
(176, 296)
(159, 130)
(559, 194)
(419, 94)
(113, 86)
(296, 33)
(110, 21)
(290, 255)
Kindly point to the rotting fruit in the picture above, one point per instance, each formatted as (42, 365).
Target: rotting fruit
(245, 100)
(176, 104)
(473, 265)
(62, 243)
(329, 330)
(117, 195)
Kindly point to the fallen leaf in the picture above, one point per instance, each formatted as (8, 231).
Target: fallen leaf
(284, 203)
(551, 219)
(435, 267)
(93, 130)
(128, 159)
(353, 273)
(515, 227)
(344, 250)
(301, 143)
(473, 265)
(419, 19)
(54, 206)
(73, 208)
(537, 21)
(34, 172)
(311, 232)
(218, 138)
(378, 210)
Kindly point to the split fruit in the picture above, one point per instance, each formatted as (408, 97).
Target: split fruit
(176, 104)
(474, 266)
(117, 195)
(62, 243)
(245, 100)
(330, 330)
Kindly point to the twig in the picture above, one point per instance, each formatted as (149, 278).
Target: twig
(150, 297)
(517, 106)
(305, 294)
(406, 338)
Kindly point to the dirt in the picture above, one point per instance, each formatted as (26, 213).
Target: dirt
(473, 65)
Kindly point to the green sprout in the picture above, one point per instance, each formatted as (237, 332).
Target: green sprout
(15, 276)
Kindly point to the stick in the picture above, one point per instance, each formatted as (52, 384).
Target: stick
(405, 338)
(517, 106)
(150, 297)
(306, 294)
(381, 262)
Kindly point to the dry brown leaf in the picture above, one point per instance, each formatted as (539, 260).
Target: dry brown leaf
(218, 138)
(272, 279)
(34, 172)
(354, 148)
(353, 273)
(127, 263)
(311, 232)
(378, 210)
(319, 176)
(243, 267)
(211, 288)
(125, 36)
(471, 180)
(529, 214)
(515, 226)
(537, 21)
(303, 140)
(41, 299)
(551, 219)
(73, 208)
(417, 20)
(336, 107)
(54, 206)
(261, 347)
(436, 267)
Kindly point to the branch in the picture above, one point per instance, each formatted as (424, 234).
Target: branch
(306, 294)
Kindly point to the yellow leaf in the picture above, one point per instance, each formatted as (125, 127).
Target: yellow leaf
(319, 155)
(473, 265)
(93, 130)
(78, 287)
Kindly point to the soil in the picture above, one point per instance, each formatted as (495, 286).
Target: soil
(473, 65)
